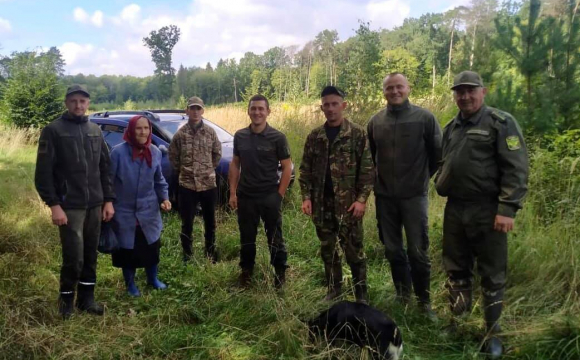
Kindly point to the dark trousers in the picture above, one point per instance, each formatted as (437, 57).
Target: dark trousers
(79, 239)
(410, 266)
(468, 235)
(188, 201)
(250, 211)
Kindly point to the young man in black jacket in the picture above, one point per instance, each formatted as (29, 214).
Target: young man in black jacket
(72, 178)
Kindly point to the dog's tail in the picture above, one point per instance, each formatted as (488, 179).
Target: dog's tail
(395, 349)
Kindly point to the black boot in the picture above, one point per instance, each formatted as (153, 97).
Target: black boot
(210, 250)
(66, 304)
(359, 278)
(459, 296)
(279, 277)
(493, 304)
(86, 300)
(333, 274)
(245, 278)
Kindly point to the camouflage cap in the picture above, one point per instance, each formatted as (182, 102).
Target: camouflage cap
(195, 101)
(76, 88)
(468, 78)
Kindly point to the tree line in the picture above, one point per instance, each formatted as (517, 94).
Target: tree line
(527, 52)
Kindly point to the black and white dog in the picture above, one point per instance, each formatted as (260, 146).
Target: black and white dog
(362, 325)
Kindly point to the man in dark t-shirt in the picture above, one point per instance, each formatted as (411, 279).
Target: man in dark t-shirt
(256, 191)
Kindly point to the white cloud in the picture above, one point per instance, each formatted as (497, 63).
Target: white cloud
(131, 13)
(97, 18)
(5, 26)
(384, 12)
(214, 29)
(80, 15)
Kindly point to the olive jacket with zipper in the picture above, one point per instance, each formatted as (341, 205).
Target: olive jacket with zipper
(72, 164)
(405, 143)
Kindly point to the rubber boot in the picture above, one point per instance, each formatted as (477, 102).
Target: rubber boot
(493, 304)
(460, 296)
(129, 276)
(245, 278)
(152, 279)
(333, 274)
(359, 278)
(86, 300)
(66, 304)
(279, 277)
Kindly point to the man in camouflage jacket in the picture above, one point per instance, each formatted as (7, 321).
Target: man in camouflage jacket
(336, 178)
(484, 174)
(195, 151)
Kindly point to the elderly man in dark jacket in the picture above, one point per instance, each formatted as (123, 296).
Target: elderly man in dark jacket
(405, 142)
(484, 174)
(72, 178)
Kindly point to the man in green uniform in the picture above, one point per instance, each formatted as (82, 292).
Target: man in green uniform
(336, 178)
(484, 174)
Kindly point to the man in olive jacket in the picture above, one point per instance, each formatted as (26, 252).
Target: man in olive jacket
(405, 143)
(484, 174)
(72, 178)
(336, 178)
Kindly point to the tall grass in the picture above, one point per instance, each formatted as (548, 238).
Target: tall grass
(204, 315)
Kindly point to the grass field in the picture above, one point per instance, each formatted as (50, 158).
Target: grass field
(204, 315)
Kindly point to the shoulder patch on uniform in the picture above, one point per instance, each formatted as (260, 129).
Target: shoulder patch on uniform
(513, 142)
(478, 132)
(498, 115)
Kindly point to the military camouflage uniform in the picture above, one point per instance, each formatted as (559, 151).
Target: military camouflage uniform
(194, 153)
(484, 173)
(352, 175)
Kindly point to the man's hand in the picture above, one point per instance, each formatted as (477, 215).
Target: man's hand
(307, 207)
(503, 224)
(58, 216)
(358, 209)
(108, 211)
(166, 205)
(233, 201)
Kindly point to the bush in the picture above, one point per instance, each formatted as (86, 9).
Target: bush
(32, 96)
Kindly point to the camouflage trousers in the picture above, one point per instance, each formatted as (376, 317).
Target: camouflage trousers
(347, 234)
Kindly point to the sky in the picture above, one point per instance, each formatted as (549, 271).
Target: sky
(105, 37)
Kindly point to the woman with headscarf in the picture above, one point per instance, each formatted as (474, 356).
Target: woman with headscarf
(141, 190)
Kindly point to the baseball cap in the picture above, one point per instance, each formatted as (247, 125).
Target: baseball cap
(76, 88)
(332, 90)
(468, 78)
(195, 101)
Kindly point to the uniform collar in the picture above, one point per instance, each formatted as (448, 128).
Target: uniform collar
(397, 108)
(345, 130)
(196, 128)
(473, 119)
(264, 132)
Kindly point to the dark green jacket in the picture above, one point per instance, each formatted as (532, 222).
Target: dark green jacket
(72, 164)
(405, 144)
(484, 157)
(351, 168)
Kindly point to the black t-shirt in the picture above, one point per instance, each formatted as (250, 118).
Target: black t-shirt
(260, 155)
(331, 134)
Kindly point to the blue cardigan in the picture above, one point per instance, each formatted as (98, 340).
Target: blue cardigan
(140, 189)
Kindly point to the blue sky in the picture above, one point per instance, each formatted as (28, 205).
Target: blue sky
(104, 37)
